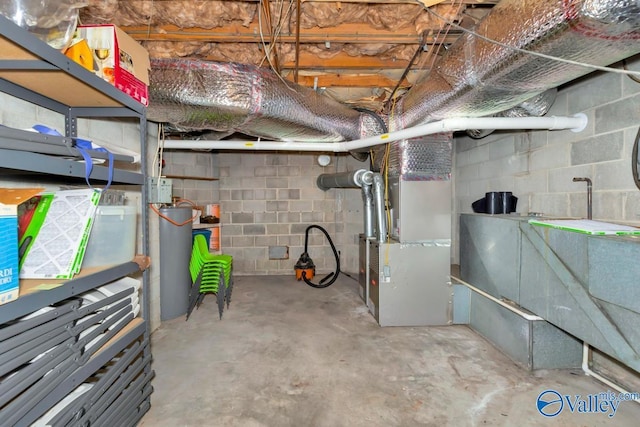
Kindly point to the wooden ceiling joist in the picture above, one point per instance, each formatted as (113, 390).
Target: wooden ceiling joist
(347, 80)
(236, 33)
(344, 61)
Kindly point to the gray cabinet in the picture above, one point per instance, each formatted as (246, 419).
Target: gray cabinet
(89, 360)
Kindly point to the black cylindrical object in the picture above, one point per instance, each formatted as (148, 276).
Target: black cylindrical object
(510, 204)
(505, 198)
(175, 254)
(493, 202)
(496, 202)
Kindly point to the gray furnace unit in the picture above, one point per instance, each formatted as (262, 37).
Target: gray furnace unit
(408, 283)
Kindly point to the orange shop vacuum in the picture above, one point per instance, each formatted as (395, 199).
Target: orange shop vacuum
(305, 268)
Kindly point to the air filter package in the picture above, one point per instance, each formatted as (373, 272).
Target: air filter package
(55, 240)
(10, 199)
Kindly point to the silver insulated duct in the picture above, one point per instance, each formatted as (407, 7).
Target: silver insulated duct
(198, 95)
(478, 78)
(474, 78)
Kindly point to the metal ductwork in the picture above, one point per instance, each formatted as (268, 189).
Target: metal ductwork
(474, 78)
(478, 78)
(537, 106)
(198, 95)
(372, 196)
(369, 210)
(353, 179)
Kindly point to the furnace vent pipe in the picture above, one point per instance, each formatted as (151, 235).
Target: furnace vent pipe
(372, 195)
(576, 123)
(353, 179)
(369, 211)
(381, 218)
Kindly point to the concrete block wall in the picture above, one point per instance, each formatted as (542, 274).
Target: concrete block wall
(269, 199)
(193, 164)
(538, 166)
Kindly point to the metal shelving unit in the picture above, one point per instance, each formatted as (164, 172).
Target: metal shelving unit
(120, 358)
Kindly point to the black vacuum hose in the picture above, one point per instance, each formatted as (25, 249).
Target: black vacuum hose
(331, 277)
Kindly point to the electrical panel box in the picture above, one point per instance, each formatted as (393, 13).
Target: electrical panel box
(159, 189)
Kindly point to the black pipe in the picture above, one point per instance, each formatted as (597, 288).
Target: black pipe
(375, 115)
(331, 277)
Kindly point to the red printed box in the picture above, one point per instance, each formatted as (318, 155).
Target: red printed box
(119, 59)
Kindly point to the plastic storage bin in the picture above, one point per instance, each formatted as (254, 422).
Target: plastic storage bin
(113, 236)
(53, 21)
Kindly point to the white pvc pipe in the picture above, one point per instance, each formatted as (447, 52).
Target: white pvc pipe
(527, 316)
(575, 123)
(587, 371)
(585, 346)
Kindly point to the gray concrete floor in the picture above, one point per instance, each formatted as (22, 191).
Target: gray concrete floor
(285, 354)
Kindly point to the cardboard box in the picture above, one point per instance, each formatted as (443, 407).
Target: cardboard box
(119, 59)
(10, 199)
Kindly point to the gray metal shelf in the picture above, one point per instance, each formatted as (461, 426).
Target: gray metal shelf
(31, 302)
(82, 373)
(21, 140)
(53, 165)
(23, 55)
(34, 72)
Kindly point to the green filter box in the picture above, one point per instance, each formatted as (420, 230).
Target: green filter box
(54, 243)
(10, 199)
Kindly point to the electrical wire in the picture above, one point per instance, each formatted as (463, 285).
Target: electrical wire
(632, 77)
(375, 115)
(177, 224)
(274, 35)
(529, 52)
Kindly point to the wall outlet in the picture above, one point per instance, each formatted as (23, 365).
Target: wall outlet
(159, 189)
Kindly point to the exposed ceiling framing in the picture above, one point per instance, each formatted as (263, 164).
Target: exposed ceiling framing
(356, 51)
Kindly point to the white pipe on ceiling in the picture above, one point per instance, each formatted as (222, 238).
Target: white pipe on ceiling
(575, 123)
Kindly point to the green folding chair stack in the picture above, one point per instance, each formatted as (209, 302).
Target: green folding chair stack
(210, 273)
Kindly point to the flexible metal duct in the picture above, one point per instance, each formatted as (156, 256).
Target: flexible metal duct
(477, 78)
(537, 106)
(474, 78)
(427, 158)
(224, 97)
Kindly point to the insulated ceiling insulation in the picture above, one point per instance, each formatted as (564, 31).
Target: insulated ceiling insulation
(474, 78)
(356, 51)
